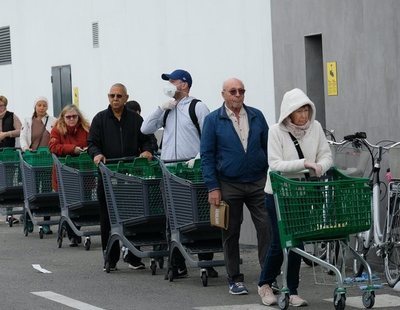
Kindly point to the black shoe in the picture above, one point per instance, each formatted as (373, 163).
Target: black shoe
(74, 242)
(136, 265)
(113, 267)
(180, 272)
(212, 273)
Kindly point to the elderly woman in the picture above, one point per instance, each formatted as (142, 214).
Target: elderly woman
(69, 137)
(10, 125)
(36, 129)
(296, 122)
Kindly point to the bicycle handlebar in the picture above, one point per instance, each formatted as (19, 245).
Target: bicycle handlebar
(362, 137)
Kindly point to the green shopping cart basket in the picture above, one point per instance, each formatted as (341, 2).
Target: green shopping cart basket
(333, 207)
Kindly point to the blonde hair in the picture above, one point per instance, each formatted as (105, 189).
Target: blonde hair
(4, 100)
(62, 126)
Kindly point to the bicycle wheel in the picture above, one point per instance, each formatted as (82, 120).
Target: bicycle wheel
(359, 247)
(391, 259)
(317, 249)
(328, 251)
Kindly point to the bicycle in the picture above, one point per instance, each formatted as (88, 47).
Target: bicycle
(386, 241)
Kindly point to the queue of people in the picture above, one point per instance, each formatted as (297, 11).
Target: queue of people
(236, 146)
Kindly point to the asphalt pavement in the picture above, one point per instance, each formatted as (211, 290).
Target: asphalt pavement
(73, 278)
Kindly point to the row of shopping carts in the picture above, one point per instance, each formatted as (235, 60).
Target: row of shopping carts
(155, 209)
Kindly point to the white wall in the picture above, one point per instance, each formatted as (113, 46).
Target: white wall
(139, 40)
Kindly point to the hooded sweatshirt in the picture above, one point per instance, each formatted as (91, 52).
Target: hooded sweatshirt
(282, 153)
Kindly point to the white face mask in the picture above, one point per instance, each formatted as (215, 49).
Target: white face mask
(170, 90)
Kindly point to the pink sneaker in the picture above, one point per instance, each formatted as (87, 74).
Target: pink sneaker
(267, 295)
(297, 301)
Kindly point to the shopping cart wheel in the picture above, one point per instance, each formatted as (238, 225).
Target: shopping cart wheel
(59, 242)
(339, 301)
(10, 220)
(283, 301)
(41, 233)
(161, 262)
(368, 299)
(153, 267)
(26, 231)
(204, 278)
(107, 266)
(87, 243)
(170, 275)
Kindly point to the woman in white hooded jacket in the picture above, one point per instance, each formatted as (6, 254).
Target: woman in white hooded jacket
(36, 129)
(298, 118)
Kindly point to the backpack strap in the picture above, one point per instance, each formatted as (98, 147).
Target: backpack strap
(192, 114)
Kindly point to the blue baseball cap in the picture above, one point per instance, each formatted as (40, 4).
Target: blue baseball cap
(179, 74)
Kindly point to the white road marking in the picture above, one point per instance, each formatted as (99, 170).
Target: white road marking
(381, 301)
(40, 269)
(237, 307)
(76, 304)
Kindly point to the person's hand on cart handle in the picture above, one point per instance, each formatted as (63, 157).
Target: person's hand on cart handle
(314, 166)
(214, 197)
(146, 154)
(78, 150)
(99, 158)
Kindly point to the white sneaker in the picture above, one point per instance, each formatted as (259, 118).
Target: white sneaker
(267, 295)
(297, 301)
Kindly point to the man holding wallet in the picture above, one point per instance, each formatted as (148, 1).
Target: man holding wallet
(233, 152)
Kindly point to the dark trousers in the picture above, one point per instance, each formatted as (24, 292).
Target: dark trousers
(236, 195)
(274, 259)
(105, 229)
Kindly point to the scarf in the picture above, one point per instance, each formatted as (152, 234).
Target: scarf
(297, 131)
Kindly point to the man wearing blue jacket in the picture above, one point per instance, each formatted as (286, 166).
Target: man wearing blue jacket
(234, 163)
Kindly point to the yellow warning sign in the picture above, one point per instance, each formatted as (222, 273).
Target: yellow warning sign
(76, 96)
(331, 73)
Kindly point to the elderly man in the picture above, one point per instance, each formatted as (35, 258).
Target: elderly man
(234, 163)
(115, 133)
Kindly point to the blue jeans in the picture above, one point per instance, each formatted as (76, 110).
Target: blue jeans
(274, 258)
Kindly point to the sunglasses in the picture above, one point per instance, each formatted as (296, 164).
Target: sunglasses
(233, 92)
(119, 96)
(71, 116)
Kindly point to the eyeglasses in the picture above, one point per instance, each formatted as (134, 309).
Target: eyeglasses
(71, 116)
(2, 105)
(233, 92)
(119, 96)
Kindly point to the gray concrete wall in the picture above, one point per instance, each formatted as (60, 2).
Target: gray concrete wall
(363, 37)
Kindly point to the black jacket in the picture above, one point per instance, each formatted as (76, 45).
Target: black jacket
(118, 138)
(8, 125)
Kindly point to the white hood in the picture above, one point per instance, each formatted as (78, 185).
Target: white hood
(293, 100)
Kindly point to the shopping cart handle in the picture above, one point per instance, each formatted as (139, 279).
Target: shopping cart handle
(175, 160)
(116, 160)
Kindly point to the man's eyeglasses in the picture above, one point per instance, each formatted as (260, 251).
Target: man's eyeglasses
(71, 116)
(233, 92)
(119, 96)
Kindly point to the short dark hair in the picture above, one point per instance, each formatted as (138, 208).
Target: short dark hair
(133, 106)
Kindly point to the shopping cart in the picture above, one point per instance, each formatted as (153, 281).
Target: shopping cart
(39, 198)
(331, 208)
(11, 193)
(77, 188)
(188, 213)
(136, 211)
